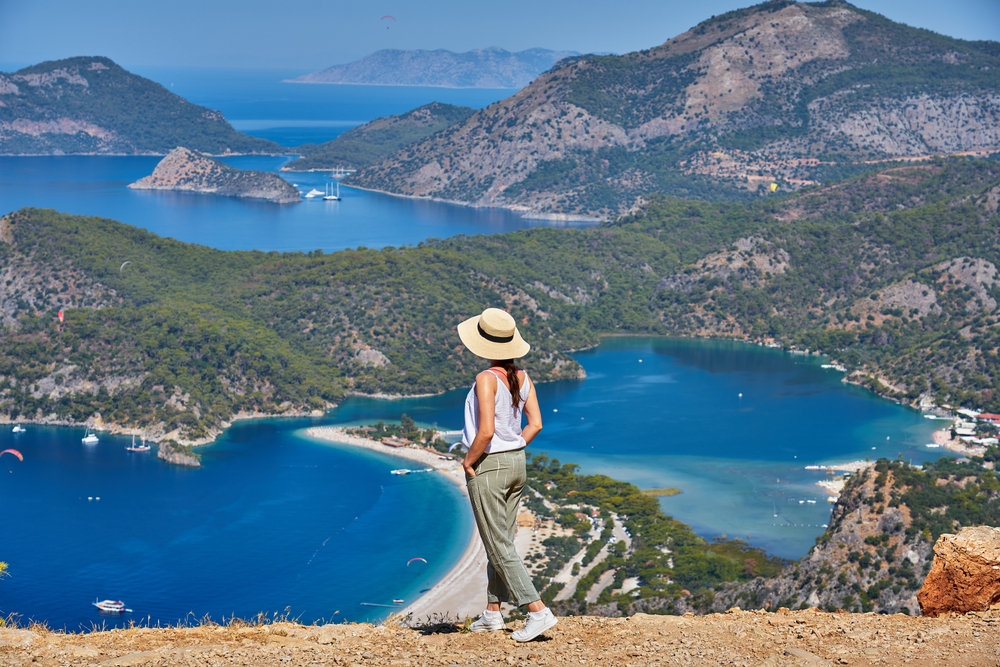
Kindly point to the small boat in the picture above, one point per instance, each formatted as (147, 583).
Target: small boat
(90, 438)
(137, 448)
(400, 471)
(312, 194)
(398, 600)
(329, 193)
(112, 606)
(932, 445)
(18, 429)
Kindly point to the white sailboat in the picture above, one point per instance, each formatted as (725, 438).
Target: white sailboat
(329, 193)
(90, 438)
(137, 448)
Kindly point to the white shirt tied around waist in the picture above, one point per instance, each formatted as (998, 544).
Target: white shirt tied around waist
(507, 428)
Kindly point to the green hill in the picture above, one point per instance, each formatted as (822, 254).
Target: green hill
(375, 140)
(91, 105)
(893, 274)
(786, 92)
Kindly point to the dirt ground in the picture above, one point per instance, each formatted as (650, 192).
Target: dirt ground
(805, 638)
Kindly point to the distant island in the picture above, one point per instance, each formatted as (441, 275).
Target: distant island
(492, 67)
(89, 104)
(379, 138)
(186, 170)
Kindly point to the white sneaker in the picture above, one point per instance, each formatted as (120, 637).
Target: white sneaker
(534, 627)
(482, 624)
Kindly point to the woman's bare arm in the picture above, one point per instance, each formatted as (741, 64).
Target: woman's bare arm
(486, 391)
(534, 415)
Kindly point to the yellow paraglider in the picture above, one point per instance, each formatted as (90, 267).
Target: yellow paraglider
(774, 187)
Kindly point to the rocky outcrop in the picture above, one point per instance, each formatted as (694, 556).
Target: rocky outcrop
(171, 452)
(186, 170)
(966, 573)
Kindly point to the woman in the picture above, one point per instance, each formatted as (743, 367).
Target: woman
(495, 465)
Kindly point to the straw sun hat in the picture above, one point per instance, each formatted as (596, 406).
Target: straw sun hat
(493, 335)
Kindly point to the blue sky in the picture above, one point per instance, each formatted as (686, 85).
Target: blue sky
(311, 34)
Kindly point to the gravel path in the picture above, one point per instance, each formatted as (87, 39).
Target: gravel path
(806, 638)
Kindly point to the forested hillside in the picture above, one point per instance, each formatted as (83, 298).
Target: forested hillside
(92, 105)
(787, 92)
(376, 139)
(892, 273)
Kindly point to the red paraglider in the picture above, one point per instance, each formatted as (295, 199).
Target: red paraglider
(413, 559)
(388, 16)
(21, 458)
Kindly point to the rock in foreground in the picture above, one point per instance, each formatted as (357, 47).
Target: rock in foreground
(966, 573)
(183, 169)
(805, 638)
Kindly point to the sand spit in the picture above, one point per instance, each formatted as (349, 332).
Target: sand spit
(806, 638)
(462, 591)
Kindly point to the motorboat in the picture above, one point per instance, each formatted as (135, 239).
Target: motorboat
(18, 429)
(112, 606)
(312, 194)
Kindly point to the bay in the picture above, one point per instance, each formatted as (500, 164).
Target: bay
(272, 523)
(97, 185)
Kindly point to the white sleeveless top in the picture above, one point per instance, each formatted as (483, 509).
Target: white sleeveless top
(507, 430)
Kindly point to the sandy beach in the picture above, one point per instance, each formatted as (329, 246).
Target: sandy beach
(462, 591)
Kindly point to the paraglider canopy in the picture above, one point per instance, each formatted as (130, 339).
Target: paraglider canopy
(417, 558)
(21, 458)
(388, 16)
(774, 187)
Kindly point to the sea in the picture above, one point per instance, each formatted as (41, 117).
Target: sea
(279, 524)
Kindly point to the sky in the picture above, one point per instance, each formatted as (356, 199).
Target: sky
(311, 34)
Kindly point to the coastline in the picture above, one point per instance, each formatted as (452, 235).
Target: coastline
(461, 591)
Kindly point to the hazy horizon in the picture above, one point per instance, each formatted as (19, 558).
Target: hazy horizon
(306, 35)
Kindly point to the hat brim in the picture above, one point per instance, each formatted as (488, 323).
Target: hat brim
(468, 331)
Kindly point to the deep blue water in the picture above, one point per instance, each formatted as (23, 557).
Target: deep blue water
(96, 185)
(258, 102)
(270, 521)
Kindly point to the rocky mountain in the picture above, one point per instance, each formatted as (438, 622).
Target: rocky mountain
(880, 543)
(91, 105)
(188, 171)
(492, 67)
(785, 92)
(379, 138)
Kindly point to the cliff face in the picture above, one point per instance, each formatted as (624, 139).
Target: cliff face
(480, 68)
(186, 170)
(781, 91)
(878, 548)
(91, 105)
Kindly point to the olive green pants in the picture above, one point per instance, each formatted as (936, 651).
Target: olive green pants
(495, 493)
